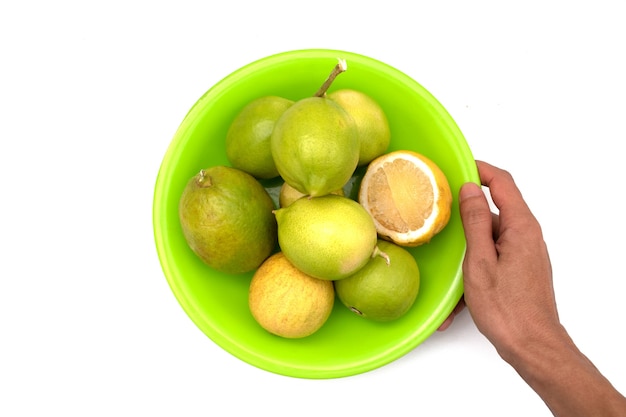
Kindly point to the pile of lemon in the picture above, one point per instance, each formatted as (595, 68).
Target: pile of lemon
(319, 243)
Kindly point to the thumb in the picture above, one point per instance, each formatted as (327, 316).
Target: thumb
(477, 221)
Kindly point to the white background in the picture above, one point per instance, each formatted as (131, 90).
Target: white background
(91, 95)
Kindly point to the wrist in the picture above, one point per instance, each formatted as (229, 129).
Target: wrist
(562, 376)
(526, 350)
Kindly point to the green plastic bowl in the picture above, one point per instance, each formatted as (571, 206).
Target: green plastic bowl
(218, 303)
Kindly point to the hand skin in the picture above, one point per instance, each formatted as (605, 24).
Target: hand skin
(510, 296)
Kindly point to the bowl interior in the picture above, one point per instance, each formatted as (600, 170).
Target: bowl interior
(217, 303)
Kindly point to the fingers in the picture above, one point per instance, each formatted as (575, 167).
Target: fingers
(504, 192)
(477, 221)
(495, 225)
(447, 323)
(482, 227)
(457, 310)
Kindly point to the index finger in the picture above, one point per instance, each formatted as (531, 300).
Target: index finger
(504, 192)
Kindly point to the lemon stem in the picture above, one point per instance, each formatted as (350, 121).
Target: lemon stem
(203, 180)
(378, 252)
(339, 68)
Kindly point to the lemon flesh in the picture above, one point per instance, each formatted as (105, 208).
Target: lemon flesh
(408, 196)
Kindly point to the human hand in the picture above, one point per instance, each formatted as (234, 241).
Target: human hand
(507, 277)
(507, 271)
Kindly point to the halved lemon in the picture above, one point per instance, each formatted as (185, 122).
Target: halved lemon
(407, 195)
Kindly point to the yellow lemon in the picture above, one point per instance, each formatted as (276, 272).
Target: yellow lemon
(315, 146)
(329, 237)
(370, 119)
(287, 302)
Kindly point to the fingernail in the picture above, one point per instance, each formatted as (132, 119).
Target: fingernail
(468, 190)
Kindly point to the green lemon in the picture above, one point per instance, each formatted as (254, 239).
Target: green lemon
(370, 119)
(287, 302)
(382, 290)
(315, 146)
(227, 220)
(248, 137)
(329, 237)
